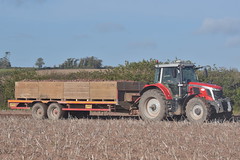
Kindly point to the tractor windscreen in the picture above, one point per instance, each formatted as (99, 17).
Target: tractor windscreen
(189, 75)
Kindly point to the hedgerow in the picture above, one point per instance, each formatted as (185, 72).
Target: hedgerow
(229, 79)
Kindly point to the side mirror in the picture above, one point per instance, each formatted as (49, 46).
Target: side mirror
(206, 72)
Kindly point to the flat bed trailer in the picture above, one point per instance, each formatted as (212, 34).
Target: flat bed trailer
(175, 92)
(55, 99)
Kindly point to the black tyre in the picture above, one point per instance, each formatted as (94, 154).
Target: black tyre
(152, 105)
(39, 111)
(79, 114)
(198, 110)
(55, 111)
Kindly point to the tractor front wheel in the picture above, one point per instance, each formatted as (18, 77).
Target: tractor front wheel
(152, 105)
(197, 110)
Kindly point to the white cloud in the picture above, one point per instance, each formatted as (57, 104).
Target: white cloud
(142, 45)
(19, 36)
(81, 36)
(110, 27)
(226, 26)
(229, 27)
(20, 2)
(233, 41)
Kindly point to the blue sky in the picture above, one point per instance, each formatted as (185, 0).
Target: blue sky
(205, 32)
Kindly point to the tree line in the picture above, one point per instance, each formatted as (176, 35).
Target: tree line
(143, 70)
(74, 63)
(85, 63)
(70, 63)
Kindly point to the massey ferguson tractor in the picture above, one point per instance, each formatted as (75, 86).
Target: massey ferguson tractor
(177, 92)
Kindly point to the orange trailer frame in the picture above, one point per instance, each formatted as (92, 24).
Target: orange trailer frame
(86, 105)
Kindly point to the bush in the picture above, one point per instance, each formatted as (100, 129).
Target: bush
(7, 83)
(143, 71)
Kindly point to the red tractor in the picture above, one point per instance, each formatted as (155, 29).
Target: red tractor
(177, 92)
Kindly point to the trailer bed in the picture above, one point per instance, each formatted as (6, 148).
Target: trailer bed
(77, 96)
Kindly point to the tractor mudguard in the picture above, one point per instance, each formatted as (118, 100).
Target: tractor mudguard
(164, 89)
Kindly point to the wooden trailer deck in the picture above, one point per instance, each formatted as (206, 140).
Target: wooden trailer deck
(80, 95)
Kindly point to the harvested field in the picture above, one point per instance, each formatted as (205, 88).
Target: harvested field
(26, 138)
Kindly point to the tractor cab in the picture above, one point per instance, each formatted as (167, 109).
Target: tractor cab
(176, 77)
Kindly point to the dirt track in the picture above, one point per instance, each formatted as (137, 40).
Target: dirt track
(94, 115)
(4, 113)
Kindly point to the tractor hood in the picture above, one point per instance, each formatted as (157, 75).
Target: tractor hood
(199, 84)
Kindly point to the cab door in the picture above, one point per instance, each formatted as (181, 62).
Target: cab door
(170, 78)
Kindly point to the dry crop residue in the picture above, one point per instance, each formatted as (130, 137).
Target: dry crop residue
(125, 139)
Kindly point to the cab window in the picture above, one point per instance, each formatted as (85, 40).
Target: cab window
(170, 76)
(189, 75)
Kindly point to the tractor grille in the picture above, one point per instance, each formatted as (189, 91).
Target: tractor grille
(218, 94)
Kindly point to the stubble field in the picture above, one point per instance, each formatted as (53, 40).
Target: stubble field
(22, 137)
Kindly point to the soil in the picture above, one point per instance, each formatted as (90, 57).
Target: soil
(22, 137)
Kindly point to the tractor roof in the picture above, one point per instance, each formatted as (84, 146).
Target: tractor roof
(177, 64)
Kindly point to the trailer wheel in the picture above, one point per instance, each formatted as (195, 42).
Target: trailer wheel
(197, 110)
(152, 105)
(79, 114)
(39, 111)
(55, 111)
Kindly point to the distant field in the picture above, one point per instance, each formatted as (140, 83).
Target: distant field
(55, 71)
(122, 139)
(65, 71)
(6, 70)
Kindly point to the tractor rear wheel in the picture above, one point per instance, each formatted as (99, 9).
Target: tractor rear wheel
(197, 110)
(152, 105)
(39, 111)
(55, 111)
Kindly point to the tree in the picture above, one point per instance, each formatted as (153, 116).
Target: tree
(4, 62)
(40, 62)
(69, 63)
(86, 63)
(90, 62)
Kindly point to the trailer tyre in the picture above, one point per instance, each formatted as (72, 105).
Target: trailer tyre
(39, 111)
(152, 105)
(198, 110)
(55, 111)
